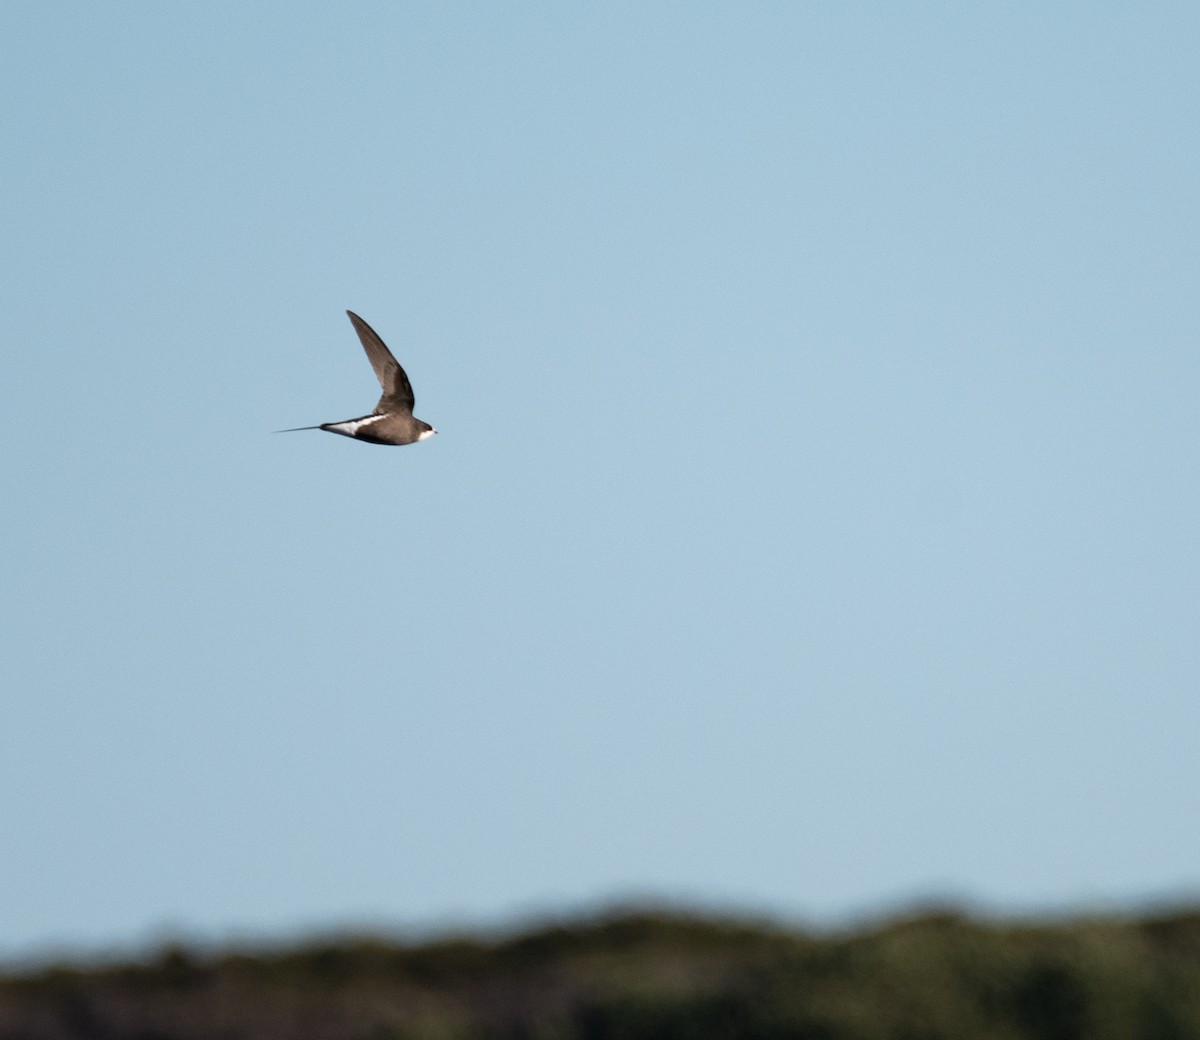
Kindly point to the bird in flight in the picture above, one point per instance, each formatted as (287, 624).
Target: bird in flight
(392, 422)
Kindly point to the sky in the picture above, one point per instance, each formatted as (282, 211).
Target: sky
(811, 527)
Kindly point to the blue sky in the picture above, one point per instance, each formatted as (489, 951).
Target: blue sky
(812, 523)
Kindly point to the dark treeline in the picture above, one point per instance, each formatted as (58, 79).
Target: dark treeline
(651, 976)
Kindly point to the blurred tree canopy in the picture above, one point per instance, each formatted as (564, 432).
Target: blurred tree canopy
(651, 976)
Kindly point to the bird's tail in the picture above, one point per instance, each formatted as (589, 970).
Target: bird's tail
(294, 429)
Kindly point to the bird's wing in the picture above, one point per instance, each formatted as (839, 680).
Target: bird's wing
(397, 392)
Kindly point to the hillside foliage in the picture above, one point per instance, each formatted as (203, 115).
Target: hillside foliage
(650, 976)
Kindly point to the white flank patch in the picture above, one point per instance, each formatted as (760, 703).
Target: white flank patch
(354, 425)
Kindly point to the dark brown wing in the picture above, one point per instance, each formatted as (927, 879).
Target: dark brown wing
(397, 392)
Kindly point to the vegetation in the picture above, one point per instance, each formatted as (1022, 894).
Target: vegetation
(651, 976)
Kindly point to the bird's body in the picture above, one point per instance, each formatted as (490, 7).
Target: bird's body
(392, 422)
